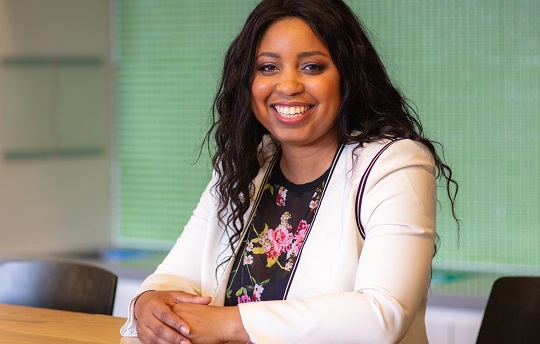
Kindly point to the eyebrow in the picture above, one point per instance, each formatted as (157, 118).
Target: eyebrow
(299, 55)
(311, 53)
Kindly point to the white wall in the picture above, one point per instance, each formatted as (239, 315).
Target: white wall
(449, 325)
(58, 203)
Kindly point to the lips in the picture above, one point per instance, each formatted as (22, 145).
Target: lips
(290, 112)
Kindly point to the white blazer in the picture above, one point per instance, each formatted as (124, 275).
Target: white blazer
(346, 289)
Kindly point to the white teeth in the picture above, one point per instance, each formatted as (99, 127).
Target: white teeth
(291, 111)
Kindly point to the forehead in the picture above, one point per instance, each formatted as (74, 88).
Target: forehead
(290, 33)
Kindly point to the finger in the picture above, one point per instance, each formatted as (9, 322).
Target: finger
(169, 318)
(151, 338)
(190, 298)
(157, 332)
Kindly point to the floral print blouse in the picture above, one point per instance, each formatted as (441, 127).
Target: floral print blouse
(274, 240)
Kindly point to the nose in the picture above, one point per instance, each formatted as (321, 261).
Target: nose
(289, 83)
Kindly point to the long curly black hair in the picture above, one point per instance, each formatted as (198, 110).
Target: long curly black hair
(371, 107)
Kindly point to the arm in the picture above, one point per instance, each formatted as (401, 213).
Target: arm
(212, 324)
(179, 273)
(155, 319)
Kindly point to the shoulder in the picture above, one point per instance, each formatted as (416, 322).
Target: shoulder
(390, 151)
(383, 157)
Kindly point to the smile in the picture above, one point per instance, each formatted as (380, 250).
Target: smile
(291, 111)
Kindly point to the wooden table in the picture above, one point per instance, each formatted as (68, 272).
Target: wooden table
(30, 325)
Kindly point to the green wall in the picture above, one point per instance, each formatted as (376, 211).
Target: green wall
(471, 67)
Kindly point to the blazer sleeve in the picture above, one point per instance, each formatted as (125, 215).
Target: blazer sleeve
(392, 278)
(181, 268)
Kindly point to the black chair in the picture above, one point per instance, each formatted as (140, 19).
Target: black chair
(512, 312)
(64, 285)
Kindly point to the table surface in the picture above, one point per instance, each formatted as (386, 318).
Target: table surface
(28, 325)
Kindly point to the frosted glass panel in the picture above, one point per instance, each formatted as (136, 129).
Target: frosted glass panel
(27, 126)
(54, 106)
(82, 105)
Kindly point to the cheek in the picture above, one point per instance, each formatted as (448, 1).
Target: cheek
(259, 91)
(326, 93)
(332, 92)
(259, 94)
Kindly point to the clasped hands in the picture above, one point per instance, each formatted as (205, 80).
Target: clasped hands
(179, 317)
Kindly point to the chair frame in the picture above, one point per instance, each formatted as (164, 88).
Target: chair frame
(58, 284)
(512, 313)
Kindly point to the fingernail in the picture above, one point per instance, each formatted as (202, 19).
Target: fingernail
(184, 330)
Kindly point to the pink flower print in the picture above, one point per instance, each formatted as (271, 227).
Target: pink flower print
(244, 299)
(249, 246)
(248, 260)
(313, 205)
(278, 240)
(268, 245)
(281, 238)
(303, 226)
(270, 248)
(295, 248)
(281, 197)
(298, 238)
(288, 266)
(257, 291)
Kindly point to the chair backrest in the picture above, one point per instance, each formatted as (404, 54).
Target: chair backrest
(64, 285)
(512, 312)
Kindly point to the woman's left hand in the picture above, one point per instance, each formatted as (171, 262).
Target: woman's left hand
(211, 324)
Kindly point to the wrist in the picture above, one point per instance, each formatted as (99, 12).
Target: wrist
(234, 327)
(135, 302)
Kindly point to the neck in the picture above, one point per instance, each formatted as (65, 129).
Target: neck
(301, 165)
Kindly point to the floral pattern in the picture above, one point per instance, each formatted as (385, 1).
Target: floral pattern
(281, 196)
(275, 242)
(268, 254)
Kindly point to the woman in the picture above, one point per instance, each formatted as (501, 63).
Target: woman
(322, 204)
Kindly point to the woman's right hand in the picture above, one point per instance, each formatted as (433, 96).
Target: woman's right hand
(156, 322)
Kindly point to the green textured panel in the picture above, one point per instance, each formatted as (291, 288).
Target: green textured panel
(471, 66)
(169, 58)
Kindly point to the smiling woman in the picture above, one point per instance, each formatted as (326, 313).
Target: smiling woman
(318, 225)
(296, 97)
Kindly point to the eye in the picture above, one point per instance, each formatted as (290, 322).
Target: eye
(313, 68)
(267, 67)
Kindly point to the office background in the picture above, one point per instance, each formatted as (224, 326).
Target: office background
(471, 68)
(117, 164)
(55, 182)
(104, 104)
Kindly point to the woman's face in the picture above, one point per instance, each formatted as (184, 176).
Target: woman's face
(296, 86)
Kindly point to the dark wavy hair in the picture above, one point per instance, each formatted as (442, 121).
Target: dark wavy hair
(371, 107)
